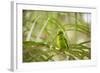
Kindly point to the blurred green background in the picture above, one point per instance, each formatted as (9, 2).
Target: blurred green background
(41, 36)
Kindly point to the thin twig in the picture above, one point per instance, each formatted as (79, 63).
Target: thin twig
(38, 37)
(32, 27)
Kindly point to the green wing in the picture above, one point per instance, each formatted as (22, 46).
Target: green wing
(66, 43)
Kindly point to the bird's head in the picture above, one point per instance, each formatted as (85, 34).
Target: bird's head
(60, 32)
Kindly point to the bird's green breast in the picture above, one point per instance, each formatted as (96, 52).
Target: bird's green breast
(61, 41)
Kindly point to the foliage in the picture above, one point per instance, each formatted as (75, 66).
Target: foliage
(40, 36)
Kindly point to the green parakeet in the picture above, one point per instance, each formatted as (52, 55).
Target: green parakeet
(62, 43)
